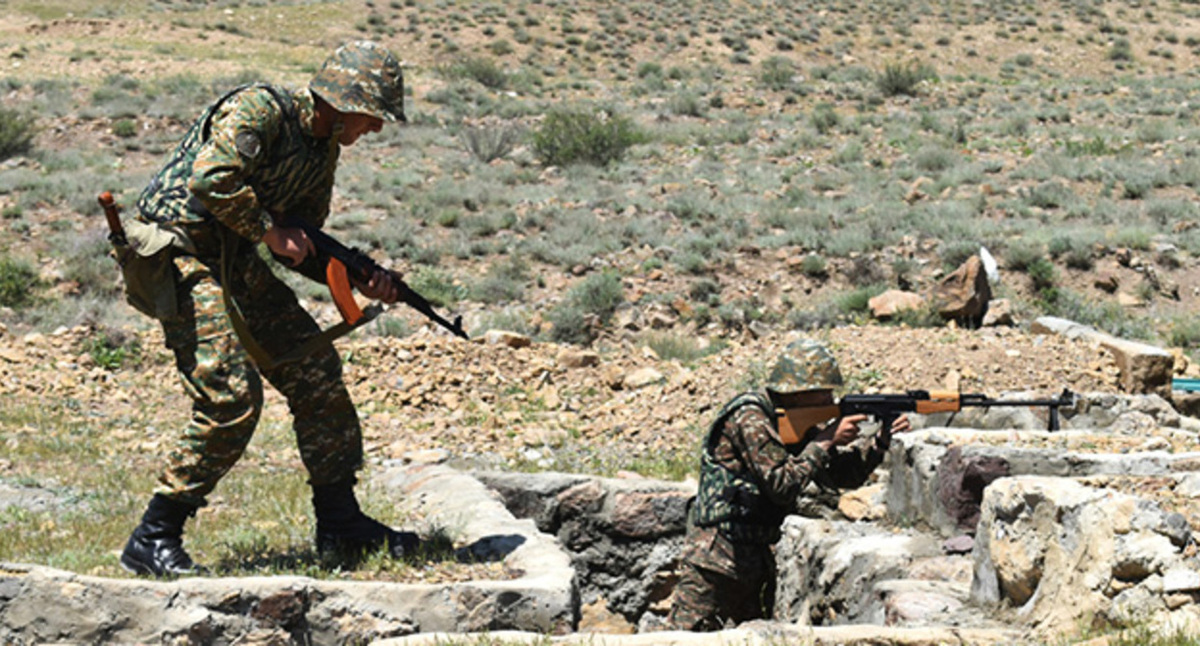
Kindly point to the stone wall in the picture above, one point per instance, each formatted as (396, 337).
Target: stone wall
(624, 537)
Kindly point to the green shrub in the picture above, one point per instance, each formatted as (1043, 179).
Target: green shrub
(435, 285)
(1050, 195)
(16, 133)
(675, 346)
(903, 78)
(954, 254)
(1020, 255)
(649, 69)
(822, 315)
(1121, 51)
(591, 301)
(504, 281)
(857, 300)
(1094, 147)
(18, 279)
(935, 159)
(125, 128)
(1043, 275)
(777, 73)
(571, 135)
(824, 118)
(1184, 332)
(86, 262)
(690, 262)
(814, 266)
(705, 291)
(500, 47)
(925, 316)
(686, 103)
(1165, 212)
(1134, 238)
(484, 71)
(111, 350)
(1076, 252)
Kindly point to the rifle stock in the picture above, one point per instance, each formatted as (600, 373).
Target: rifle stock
(343, 263)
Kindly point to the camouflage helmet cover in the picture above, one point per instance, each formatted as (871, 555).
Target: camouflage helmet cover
(362, 77)
(804, 365)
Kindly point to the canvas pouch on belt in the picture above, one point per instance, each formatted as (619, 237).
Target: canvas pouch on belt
(151, 279)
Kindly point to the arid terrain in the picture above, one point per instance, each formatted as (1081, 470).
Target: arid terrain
(789, 162)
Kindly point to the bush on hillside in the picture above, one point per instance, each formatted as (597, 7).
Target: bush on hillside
(904, 78)
(574, 135)
(588, 307)
(16, 133)
(17, 281)
(482, 70)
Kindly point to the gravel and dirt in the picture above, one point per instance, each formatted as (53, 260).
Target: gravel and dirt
(484, 399)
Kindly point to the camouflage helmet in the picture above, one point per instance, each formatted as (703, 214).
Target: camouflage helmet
(804, 365)
(362, 77)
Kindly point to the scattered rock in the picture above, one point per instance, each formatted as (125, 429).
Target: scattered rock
(509, 339)
(574, 358)
(1107, 283)
(999, 313)
(887, 304)
(641, 378)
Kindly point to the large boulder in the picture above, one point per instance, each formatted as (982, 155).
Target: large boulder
(963, 295)
(1043, 541)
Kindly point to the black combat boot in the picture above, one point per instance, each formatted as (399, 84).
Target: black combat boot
(156, 546)
(346, 534)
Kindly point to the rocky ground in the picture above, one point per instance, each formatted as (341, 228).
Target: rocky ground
(487, 399)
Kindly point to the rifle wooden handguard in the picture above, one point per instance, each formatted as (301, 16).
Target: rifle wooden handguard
(940, 401)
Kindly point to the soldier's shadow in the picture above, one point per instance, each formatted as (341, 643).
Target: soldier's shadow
(436, 547)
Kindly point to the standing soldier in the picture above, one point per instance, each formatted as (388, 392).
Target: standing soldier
(258, 155)
(750, 480)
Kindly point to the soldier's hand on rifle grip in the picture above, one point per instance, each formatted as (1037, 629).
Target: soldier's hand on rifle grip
(383, 286)
(290, 243)
(841, 434)
(901, 425)
(883, 440)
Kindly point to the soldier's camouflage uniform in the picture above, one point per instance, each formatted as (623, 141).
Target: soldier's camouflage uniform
(749, 481)
(251, 155)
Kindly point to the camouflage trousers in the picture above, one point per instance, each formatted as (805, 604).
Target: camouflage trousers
(722, 583)
(226, 387)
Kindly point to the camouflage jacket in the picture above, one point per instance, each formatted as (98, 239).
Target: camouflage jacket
(250, 156)
(750, 480)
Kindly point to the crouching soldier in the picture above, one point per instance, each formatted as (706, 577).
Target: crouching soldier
(750, 480)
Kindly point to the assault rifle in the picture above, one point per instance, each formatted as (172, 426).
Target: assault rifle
(887, 407)
(342, 263)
